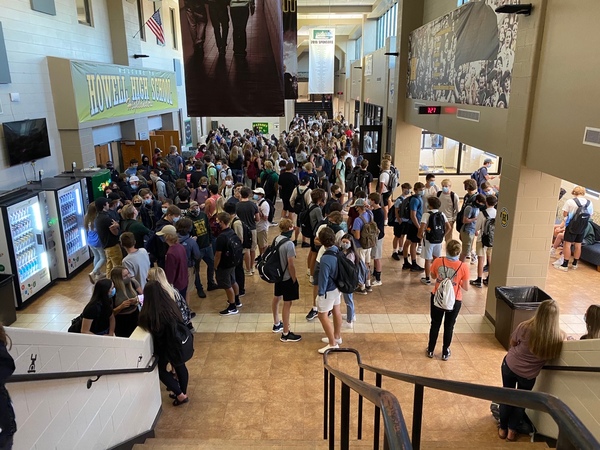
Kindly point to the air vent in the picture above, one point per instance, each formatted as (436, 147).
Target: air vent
(379, 79)
(592, 136)
(418, 105)
(468, 115)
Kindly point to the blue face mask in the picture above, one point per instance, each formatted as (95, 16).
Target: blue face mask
(112, 292)
(419, 194)
(255, 197)
(148, 201)
(164, 210)
(452, 258)
(445, 190)
(218, 166)
(176, 219)
(431, 183)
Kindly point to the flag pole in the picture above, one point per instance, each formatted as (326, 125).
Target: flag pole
(142, 27)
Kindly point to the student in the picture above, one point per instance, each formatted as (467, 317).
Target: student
(287, 182)
(176, 262)
(467, 232)
(573, 238)
(248, 213)
(484, 253)
(481, 174)
(192, 251)
(94, 243)
(129, 213)
(125, 301)
(315, 217)
(225, 267)
(150, 210)
(137, 261)
(299, 201)
(97, 316)
(379, 215)
(202, 232)
(262, 224)
(347, 248)
(108, 234)
(238, 228)
(364, 254)
(288, 289)
(133, 167)
(400, 225)
(430, 187)
(434, 226)
(158, 275)
(383, 186)
(592, 322)
(458, 272)
(449, 205)
(412, 229)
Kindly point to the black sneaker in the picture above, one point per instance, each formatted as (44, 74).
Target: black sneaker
(486, 268)
(368, 289)
(192, 314)
(446, 355)
(396, 256)
(230, 310)
(428, 353)
(290, 337)
(361, 291)
(242, 293)
(476, 283)
(406, 266)
(311, 315)
(212, 287)
(278, 328)
(201, 293)
(238, 304)
(416, 268)
(486, 281)
(305, 245)
(330, 313)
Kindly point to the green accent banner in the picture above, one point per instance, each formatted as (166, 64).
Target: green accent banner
(263, 127)
(107, 91)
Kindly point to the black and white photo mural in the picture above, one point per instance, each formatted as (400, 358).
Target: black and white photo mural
(465, 56)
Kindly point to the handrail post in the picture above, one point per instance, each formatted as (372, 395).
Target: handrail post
(563, 443)
(331, 412)
(377, 418)
(417, 416)
(361, 377)
(345, 416)
(325, 399)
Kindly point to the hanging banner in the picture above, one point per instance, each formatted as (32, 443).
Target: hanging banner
(233, 57)
(321, 60)
(290, 43)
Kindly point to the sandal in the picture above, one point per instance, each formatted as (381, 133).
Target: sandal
(502, 433)
(511, 436)
(177, 402)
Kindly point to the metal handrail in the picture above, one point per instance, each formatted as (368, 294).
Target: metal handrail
(573, 368)
(396, 433)
(82, 374)
(572, 432)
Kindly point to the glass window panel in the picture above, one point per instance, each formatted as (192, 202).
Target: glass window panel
(141, 23)
(84, 13)
(173, 27)
(438, 154)
(472, 159)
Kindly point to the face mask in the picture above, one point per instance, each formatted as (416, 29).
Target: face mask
(164, 210)
(345, 245)
(137, 205)
(228, 183)
(134, 167)
(112, 292)
(452, 258)
(287, 234)
(431, 183)
(218, 166)
(338, 195)
(194, 212)
(406, 193)
(134, 187)
(147, 201)
(203, 186)
(176, 219)
(153, 178)
(255, 197)
(445, 190)
(490, 192)
(419, 194)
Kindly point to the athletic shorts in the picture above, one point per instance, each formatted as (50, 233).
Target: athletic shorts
(364, 254)
(431, 250)
(573, 238)
(467, 240)
(261, 238)
(400, 229)
(254, 243)
(287, 205)
(327, 302)
(225, 277)
(385, 198)
(412, 232)
(377, 251)
(483, 251)
(341, 184)
(314, 247)
(287, 289)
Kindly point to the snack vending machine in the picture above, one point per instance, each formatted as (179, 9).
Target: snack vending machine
(23, 252)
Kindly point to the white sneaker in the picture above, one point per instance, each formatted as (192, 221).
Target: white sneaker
(308, 274)
(376, 283)
(248, 273)
(564, 269)
(345, 317)
(419, 248)
(473, 259)
(311, 279)
(349, 325)
(552, 251)
(327, 347)
(574, 267)
(326, 340)
(559, 261)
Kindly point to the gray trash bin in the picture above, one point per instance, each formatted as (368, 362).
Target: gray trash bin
(515, 304)
(8, 312)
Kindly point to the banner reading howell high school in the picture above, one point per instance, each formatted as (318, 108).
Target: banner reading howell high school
(104, 91)
(321, 60)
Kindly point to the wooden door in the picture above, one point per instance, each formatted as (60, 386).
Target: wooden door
(102, 154)
(158, 140)
(171, 138)
(134, 149)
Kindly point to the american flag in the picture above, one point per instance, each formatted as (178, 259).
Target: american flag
(155, 25)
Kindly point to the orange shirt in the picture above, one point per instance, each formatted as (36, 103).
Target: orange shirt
(439, 272)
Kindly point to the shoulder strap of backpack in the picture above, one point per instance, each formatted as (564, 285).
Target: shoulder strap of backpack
(456, 271)
(485, 214)
(587, 204)
(577, 202)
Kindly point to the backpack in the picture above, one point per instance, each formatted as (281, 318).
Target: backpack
(247, 234)
(267, 182)
(233, 254)
(269, 263)
(394, 177)
(215, 228)
(580, 219)
(405, 209)
(451, 196)
(445, 297)
(435, 231)
(347, 274)
(352, 178)
(459, 217)
(489, 226)
(391, 216)
(327, 167)
(362, 181)
(252, 171)
(183, 350)
(478, 178)
(300, 202)
(305, 225)
(171, 190)
(368, 233)
(271, 215)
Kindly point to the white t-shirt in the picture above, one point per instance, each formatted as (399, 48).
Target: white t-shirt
(446, 205)
(384, 177)
(571, 207)
(263, 209)
(491, 212)
(425, 217)
(430, 191)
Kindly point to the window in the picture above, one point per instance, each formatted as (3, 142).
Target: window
(461, 2)
(440, 154)
(358, 49)
(386, 25)
(173, 27)
(141, 21)
(84, 12)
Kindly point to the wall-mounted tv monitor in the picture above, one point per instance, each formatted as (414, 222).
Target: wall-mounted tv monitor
(26, 140)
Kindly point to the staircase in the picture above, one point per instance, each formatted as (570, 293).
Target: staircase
(310, 108)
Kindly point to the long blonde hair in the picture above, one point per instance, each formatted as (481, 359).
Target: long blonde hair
(116, 275)
(545, 335)
(90, 217)
(158, 275)
(592, 322)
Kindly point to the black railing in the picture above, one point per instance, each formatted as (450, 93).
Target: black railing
(396, 435)
(573, 434)
(82, 374)
(573, 368)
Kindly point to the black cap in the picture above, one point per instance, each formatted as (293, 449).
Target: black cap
(114, 196)
(100, 202)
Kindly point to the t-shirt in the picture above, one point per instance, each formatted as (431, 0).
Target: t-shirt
(263, 208)
(328, 270)
(439, 272)
(99, 313)
(358, 224)
(246, 211)
(315, 216)
(379, 217)
(200, 229)
(470, 212)
(491, 212)
(570, 207)
(430, 191)
(287, 250)
(176, 268)
(341, 167)
(221, 244)
(102, 224)
(196, 176)
(425, 218)
(519, 358)
(416, 204)
(212, 172)
(138, 265)
(447, 207)
(287, 182)
(384, 178)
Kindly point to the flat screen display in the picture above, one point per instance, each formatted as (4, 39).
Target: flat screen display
(26, 140)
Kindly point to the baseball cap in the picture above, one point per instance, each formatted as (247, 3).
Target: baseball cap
(260, 191)
(114, 196)
(488, 161)
(359, 202)
(167, 229)
(100, 202)
(194, 203)
(133, 178)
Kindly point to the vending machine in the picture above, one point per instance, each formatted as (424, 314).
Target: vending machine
(61, 201)
(93, 181)
(23, 251)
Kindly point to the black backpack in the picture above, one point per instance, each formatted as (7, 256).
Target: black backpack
(580, 219)
(352, 178)
(171, 190)
(271, 215)
(362, 181)
(269, 263)
(459, 217)
(435, 230)
(233, 254)
(479, 179)
(391, 215)
(247, 234)
(347, 273)
(300, 202)
(183, 350)
(305, 225)
(489, 226)
(405, 209)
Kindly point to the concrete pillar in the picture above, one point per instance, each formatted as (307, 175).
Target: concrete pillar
(78, 146)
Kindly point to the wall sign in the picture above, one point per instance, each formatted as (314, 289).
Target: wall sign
(504, 217)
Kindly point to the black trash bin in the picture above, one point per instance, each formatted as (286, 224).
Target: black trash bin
(515, 304)
(8, 311)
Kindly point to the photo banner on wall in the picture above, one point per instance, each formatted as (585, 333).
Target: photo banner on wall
(465, 56)
(290, 44)
(321, 58)
(233, 57)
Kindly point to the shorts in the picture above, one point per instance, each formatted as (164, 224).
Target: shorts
(385, 198)
(364, 254)
(254, 240)
(377, 251)
(326, 303)
(412, 232)
(225, 277)
(341, 184)
(400, 229)
(287, 206)
(467, 240)
(431, 251)
(483, 251)
(287, 289)
(573, 238)
(261, 237)
(313, 247)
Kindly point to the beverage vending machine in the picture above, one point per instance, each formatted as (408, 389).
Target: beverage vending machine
(23, 251)
(61, 200)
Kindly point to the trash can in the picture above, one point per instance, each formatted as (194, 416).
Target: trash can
(515, 304)
(8, 311)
